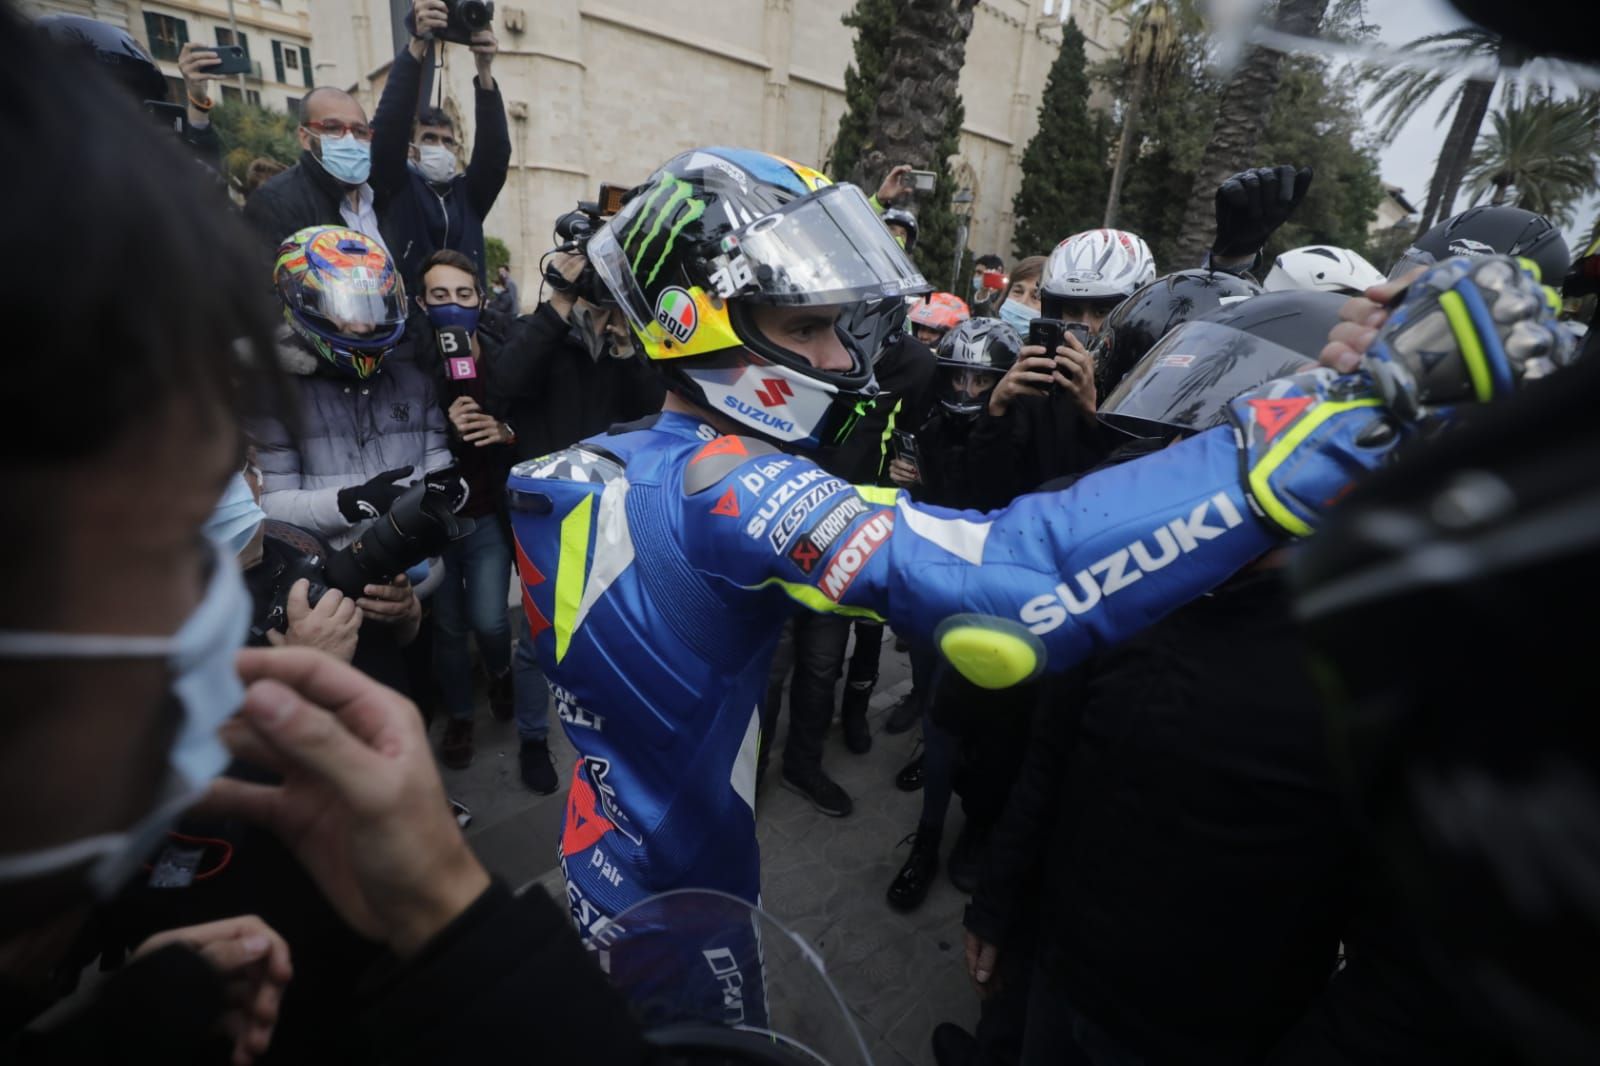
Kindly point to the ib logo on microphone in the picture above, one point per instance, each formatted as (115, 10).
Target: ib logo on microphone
(461, 368)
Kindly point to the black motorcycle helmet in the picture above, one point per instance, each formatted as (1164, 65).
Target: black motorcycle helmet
(897, 216)
(1490, 230)
(1146, 316)
(111, 48)
(979, 346)
(1184, 383)
(1443, 603)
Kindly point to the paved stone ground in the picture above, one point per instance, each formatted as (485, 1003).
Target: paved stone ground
(824, 877)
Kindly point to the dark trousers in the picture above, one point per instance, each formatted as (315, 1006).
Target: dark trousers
(863, 672)
(1057, 1034)
(812, 651)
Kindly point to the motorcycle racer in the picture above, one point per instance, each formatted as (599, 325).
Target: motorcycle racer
(660, 561)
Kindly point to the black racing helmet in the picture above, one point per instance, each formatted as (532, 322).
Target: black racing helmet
(1489, 230)
(1145, 317)
(111, 48)
(899, 216)
(1184, 383)
(972, 359)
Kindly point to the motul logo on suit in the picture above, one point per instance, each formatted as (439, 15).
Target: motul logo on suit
(836, 579)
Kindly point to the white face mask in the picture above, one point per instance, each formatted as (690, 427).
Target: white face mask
(1017, 314)
(207, 688)
(435, 162)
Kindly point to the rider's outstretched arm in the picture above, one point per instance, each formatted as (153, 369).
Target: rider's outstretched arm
(1052, 578)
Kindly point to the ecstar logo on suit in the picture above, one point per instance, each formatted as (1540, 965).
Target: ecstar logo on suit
(842, 571)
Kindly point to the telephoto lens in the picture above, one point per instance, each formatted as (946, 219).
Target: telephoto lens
(417, 527)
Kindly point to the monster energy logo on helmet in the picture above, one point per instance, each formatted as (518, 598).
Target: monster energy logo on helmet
(670, 196)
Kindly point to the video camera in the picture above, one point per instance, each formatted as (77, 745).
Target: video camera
(572, 233)
(466, 18)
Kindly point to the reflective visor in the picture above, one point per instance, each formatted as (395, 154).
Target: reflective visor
(823, 249)
(1410, 260)
(1184, 383)
(353, 308)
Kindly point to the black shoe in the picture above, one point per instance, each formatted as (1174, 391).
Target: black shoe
(911, 884)
(538, 770)
(953, 1045)
(966, 858)
(853, 712)
(820, 789)
(909, 779)
(455, 750)
(905, 714)
(501, 698)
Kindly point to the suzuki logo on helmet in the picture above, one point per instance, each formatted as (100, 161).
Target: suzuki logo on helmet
(774, 392)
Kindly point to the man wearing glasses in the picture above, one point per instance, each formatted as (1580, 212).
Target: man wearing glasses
(328, 186)
(425, 202)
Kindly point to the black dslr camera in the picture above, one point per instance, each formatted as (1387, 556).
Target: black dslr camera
(417, 527)
(466, 18)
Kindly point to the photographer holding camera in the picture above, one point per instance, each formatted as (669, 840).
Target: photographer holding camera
(367, 422)
(429, 203)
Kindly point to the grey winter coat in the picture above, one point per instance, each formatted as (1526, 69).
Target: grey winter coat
(350, 431)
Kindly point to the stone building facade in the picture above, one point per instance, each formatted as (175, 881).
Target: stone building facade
(603, 90)
(275, 33)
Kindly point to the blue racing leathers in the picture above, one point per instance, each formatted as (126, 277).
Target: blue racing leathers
(659, 564)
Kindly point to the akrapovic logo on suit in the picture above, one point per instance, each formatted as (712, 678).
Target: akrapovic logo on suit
(1088, 587)
(845, 565)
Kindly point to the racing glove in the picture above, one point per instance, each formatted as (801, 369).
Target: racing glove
(1254, 203)
(1470, 331)
(372, 498)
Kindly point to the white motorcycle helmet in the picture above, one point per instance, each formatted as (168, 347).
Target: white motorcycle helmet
(1324, 268)
(1099, 265)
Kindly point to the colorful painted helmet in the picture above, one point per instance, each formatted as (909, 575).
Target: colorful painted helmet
(342, 297)
(940, 312)
(1324, 268)
(1099, 266)
(718, 233)
(973, 357)
(899, 216)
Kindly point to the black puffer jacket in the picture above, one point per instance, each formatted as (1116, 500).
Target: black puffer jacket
(304, 195)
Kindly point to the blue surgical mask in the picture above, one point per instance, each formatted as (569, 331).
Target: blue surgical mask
(208, 690)
(236, 518)
(347, 159)
(443, 316)
(1017, 315)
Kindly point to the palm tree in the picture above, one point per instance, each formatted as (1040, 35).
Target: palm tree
(1242, 114)
(1547, 150)
(1152, 48)
(1403, 91)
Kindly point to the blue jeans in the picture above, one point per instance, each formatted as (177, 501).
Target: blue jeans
(532, 691)
(472, 598)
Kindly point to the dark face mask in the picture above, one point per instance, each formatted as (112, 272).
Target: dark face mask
(443, 316)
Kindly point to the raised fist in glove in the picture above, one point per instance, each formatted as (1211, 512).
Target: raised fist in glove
(372, 498)
(1468, 331)
(1254, 203)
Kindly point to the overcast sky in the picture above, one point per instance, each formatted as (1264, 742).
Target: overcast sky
(1408, 162)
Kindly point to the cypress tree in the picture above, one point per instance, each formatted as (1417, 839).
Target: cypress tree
(1064, 174)
(872, 20)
